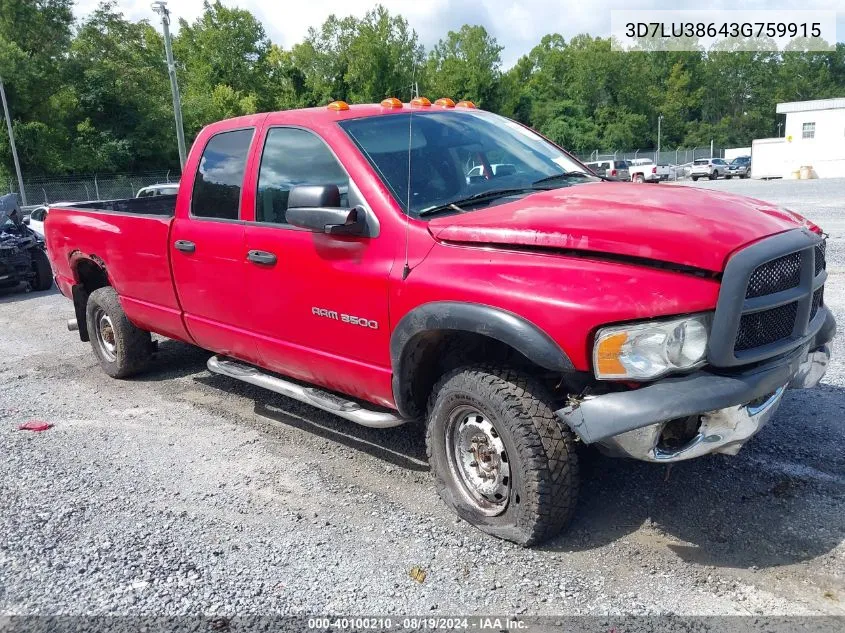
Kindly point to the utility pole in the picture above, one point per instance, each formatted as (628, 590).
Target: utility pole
(12, 143)
(659, 120)
(160, 7)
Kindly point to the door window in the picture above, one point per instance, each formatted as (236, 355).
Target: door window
(217, 187)
(292, 157)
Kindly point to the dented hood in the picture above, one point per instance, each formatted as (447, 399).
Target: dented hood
(680, 225)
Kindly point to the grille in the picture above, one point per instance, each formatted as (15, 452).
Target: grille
(777, 275)
(818, 298)
(767, 326)
(821, 253)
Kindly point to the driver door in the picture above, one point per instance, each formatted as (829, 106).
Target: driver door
(319, 302)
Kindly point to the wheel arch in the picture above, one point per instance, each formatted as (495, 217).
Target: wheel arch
(89, 274)
(420, 337)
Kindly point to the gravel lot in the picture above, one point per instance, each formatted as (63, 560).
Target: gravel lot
(182, 492)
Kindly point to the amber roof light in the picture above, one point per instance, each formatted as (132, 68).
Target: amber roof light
(445, 102)
(465, 104)
(420, 101)
(391, 102)
(338, 106)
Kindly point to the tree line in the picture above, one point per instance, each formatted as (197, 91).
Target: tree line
(94, 96)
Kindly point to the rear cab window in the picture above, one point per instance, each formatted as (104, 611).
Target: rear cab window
(220, 175)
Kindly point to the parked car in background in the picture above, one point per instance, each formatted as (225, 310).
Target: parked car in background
(23, 259)
(711, 168)
(35, 220)
(161, 189)
(644, 170)
(740, 167)
(498, 169)
(617, 169)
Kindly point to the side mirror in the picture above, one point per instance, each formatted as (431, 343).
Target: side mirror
(26, 220)
(317, 208)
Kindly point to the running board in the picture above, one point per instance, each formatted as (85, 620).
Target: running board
(309, 395)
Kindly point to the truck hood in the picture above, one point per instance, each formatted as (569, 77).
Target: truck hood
(678, 225)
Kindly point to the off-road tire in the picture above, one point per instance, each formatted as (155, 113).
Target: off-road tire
(133, 346)
(43, 271)
(541, 451)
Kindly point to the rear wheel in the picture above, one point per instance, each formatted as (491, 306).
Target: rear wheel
(728, 176)
(713, 175)
(639, 178)
(500, 457)
(121, 348)
(43, 272)
(695, 178)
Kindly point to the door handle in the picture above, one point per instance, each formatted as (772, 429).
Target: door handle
(185, 246)
(261, 257)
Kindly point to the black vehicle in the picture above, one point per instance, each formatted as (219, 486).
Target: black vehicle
(23, 257)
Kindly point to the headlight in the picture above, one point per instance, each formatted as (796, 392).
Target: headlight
(643, 351)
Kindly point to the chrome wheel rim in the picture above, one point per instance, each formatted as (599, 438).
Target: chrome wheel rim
(478, 460)
(105, 335)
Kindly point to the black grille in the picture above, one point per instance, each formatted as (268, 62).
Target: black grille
(821, 252)
(777, 275)
(767, 326)
(818, 298)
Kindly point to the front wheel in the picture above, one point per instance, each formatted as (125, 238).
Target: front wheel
(714, 175)
(500, 457)
(122, 348)
(695, 178)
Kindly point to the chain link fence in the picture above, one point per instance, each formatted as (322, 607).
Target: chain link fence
(82, 188)
(680, 159)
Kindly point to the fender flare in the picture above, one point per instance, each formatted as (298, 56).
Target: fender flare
(501, 325)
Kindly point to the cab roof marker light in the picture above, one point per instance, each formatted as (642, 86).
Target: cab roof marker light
(338, 106)
(445, 102)
(466, 104)
(421, 101)
(391, 102)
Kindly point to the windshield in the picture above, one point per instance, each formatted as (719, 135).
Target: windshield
(457, 155)
(741, 160)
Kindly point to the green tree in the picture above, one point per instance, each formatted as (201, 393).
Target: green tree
(466, 65)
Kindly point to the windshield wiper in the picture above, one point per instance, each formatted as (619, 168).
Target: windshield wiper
(569, 174)
(483, 196)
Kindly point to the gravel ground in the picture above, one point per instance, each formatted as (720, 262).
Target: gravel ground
(182, 492)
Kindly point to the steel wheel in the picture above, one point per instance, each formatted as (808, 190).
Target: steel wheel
(478, 460)
(104, 330)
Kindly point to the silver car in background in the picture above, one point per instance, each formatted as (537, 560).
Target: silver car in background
(711, 168)
(617, 169)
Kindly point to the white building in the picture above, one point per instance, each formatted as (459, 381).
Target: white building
(814, 137)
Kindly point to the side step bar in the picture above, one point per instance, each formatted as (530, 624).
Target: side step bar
(309, 395)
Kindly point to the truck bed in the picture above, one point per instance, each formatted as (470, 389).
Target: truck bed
(164, 206)
(132, 238)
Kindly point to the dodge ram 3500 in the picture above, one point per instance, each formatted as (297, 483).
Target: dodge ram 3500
(368, 260)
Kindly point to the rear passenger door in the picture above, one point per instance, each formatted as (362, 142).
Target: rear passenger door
(207, 250)
(319, 302)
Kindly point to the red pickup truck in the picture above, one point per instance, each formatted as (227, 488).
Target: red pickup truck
(370, 261)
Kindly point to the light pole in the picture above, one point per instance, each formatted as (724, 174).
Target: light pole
(12, 143)
(659, 120)
(160, 7)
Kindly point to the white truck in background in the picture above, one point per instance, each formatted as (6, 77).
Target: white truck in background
(645, 170)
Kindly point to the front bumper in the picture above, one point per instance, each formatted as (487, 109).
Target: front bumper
(709, 412)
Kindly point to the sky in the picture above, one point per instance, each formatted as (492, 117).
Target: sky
(518, 25)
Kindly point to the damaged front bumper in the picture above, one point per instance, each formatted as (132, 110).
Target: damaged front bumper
(704, 412)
